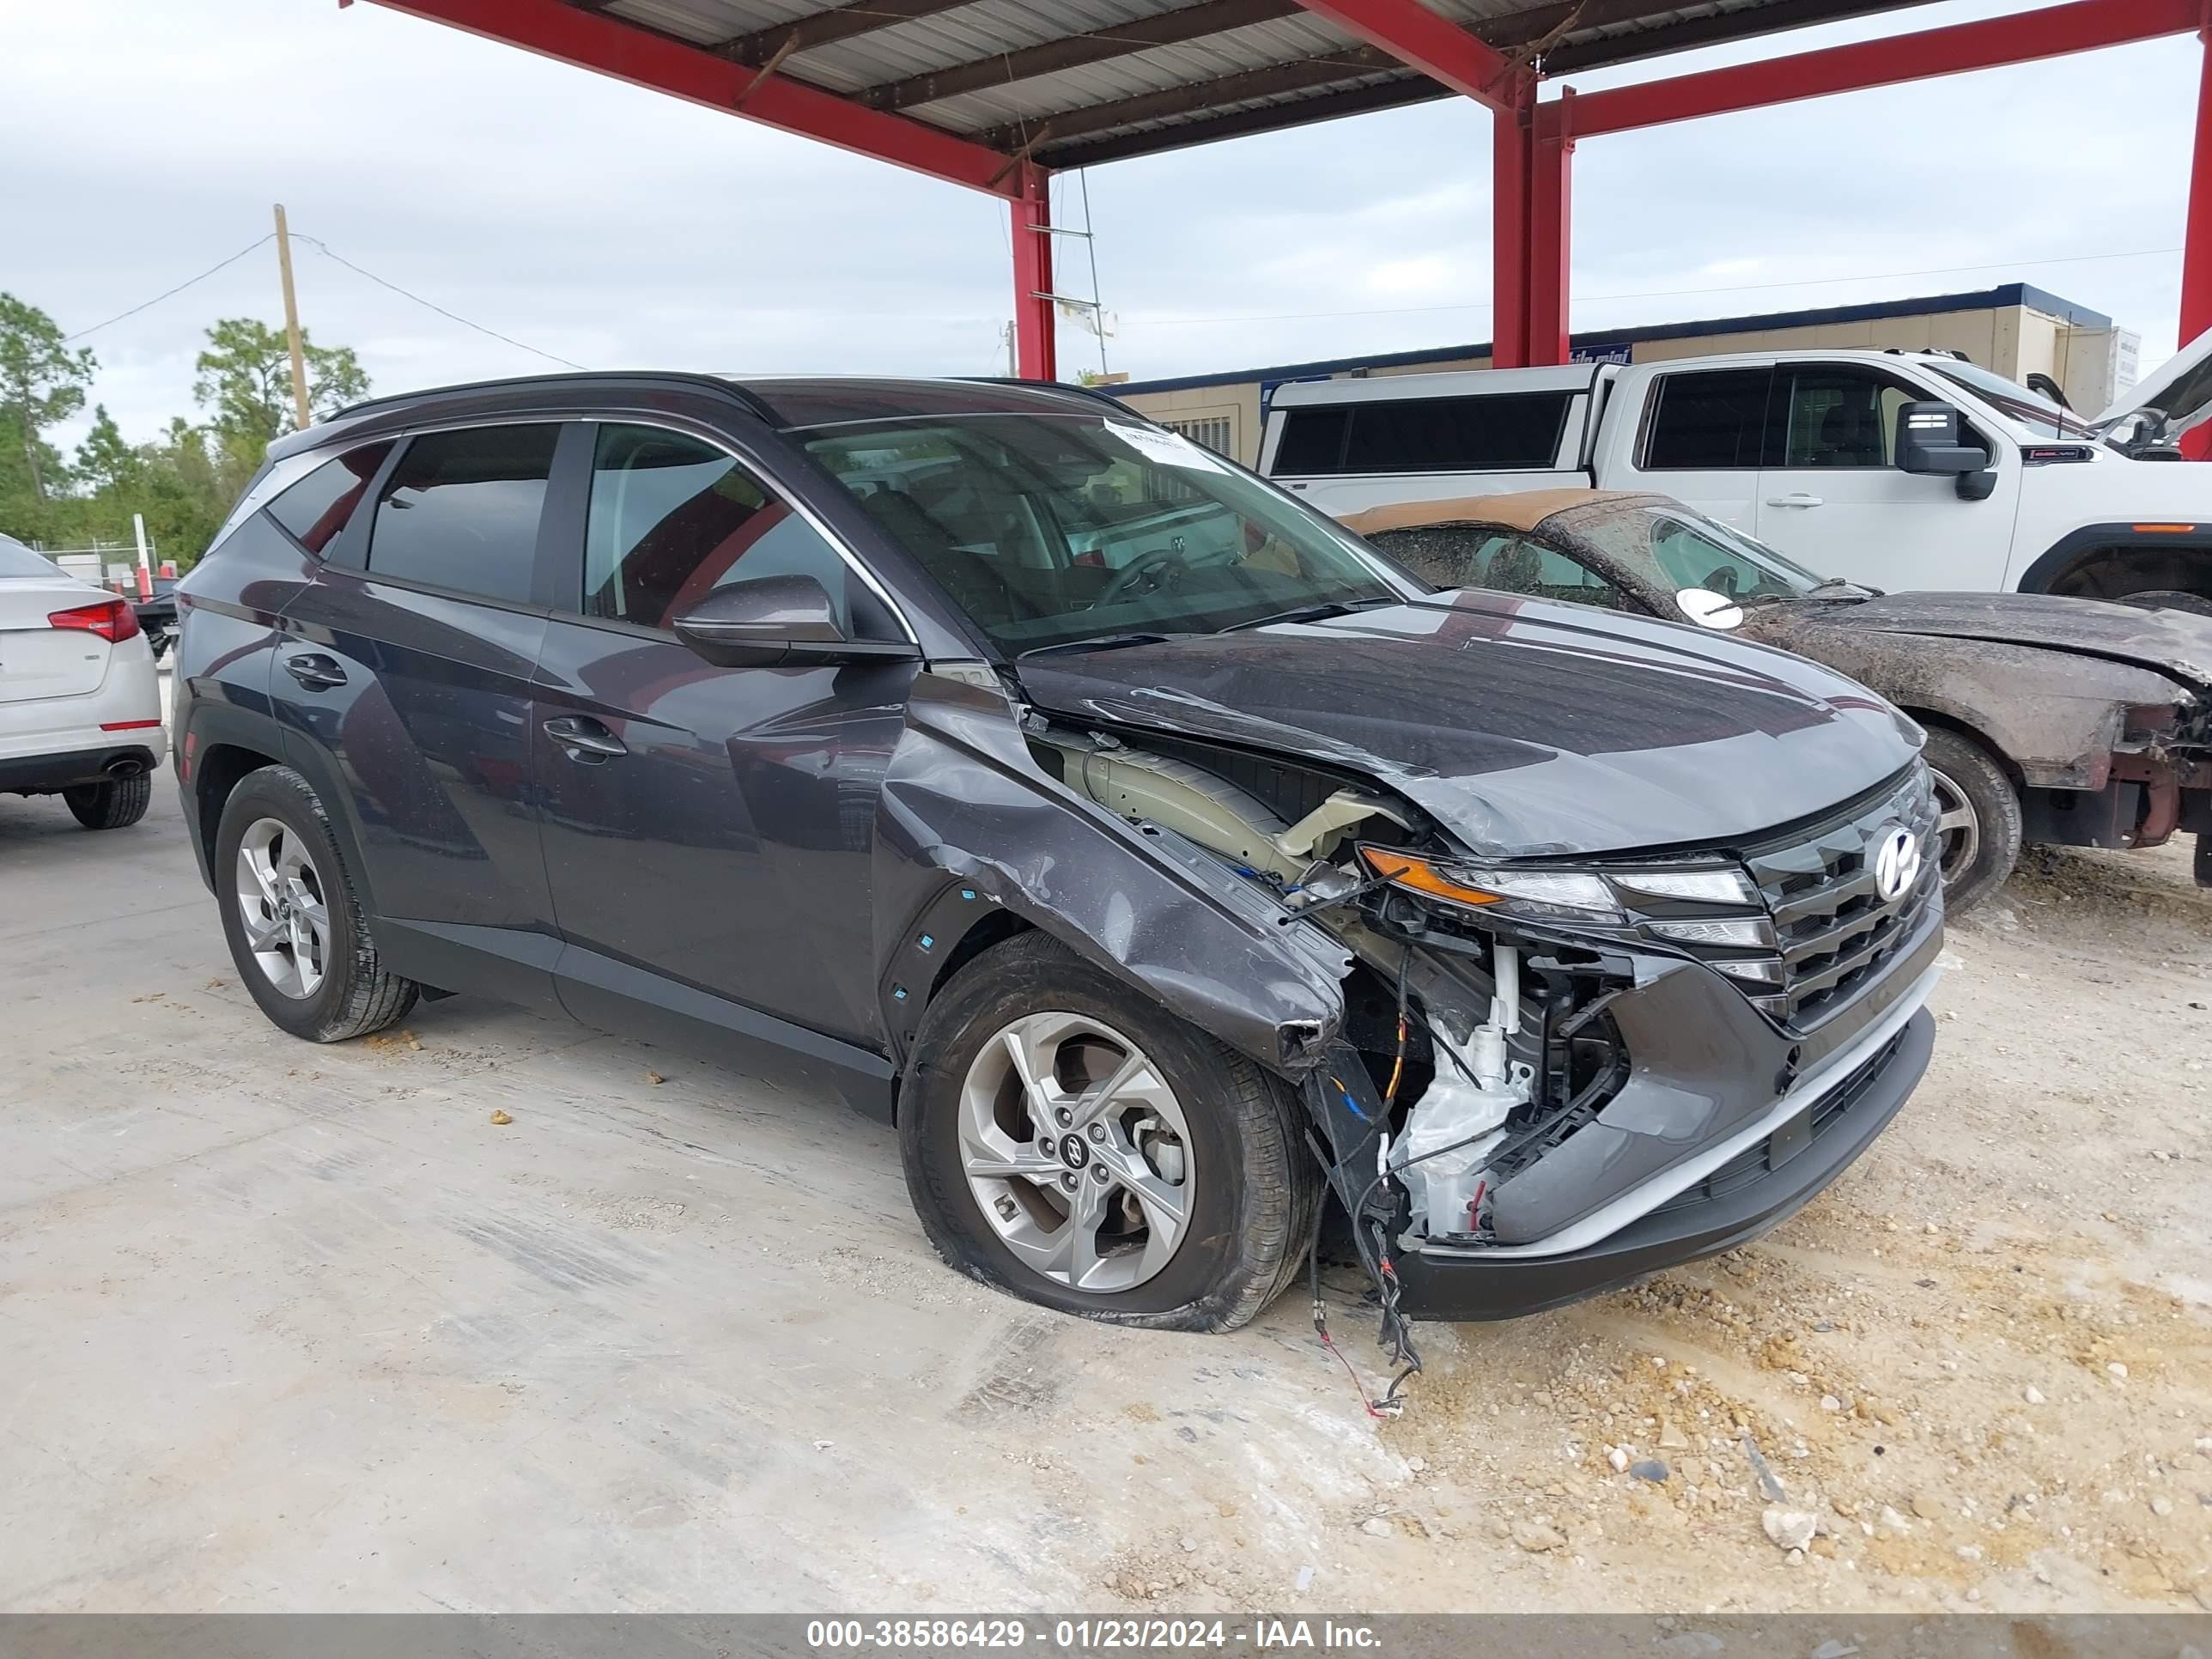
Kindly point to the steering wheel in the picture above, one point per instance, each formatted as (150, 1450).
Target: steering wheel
(1723, 579)
(1164, 566)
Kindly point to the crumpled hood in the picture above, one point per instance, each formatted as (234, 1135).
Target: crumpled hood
(2171, 642)
(1525, 728)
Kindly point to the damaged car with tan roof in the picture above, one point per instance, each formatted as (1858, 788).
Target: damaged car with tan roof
(2051, 721)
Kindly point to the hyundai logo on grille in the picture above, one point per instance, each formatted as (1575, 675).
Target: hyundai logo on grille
(1896, 864)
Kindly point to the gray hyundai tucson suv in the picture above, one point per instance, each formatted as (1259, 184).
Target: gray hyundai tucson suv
(1160, 857)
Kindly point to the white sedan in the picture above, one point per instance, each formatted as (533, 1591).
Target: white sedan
(80, 704)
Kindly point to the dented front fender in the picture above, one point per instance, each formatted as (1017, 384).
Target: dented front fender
(968, 825)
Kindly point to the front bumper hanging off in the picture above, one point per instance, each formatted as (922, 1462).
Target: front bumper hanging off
(1759, 1188)
(1726, 1126)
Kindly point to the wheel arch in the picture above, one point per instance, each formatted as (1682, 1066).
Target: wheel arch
(1962, 726)
(951, 929)
(2180, 560)
(218, 770)
(222, 746)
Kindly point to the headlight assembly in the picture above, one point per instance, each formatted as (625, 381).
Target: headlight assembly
(1614, 897)
(1715, 886)
(1710, 910)
(1745, 933)
(1570, 894)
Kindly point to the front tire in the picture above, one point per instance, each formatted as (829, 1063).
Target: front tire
(115, 804)
(296, 929)
(1977, 827)
(1070, 1142)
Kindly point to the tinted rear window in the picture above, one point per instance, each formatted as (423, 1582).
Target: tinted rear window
(1312, 441)
(1502, 433)
(461, 509)
(317, 507)
(1712, 420)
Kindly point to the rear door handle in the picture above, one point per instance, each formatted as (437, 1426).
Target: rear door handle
(584, 739)
(315, 671)
(1800, 499)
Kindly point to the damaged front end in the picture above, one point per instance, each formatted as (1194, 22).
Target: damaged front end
(1543, 1079)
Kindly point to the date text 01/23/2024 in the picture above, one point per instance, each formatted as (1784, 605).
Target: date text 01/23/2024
(1087, 1635)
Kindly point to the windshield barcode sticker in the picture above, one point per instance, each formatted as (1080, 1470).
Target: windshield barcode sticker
(1167, 448)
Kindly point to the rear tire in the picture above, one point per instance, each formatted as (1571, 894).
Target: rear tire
(2169, 599)
(115, 804)
(347, 993)
(1247, 1189)
(1978, 829)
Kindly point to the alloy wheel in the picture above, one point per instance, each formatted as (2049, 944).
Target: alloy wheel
(281, 904)
(1078, 1151)
(1958, 828)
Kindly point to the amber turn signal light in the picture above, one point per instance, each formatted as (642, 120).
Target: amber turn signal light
(1404, 870)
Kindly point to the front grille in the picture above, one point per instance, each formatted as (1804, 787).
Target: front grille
(1831, 931)
(1834, 931)
(1755, 1162)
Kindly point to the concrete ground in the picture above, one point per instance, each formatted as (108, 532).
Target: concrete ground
(294, 1327)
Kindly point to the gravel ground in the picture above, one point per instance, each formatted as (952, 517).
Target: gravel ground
(297, 1327)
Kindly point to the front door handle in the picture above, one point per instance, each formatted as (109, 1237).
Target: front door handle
(585, 739)
(314, 671)
(1800, 499)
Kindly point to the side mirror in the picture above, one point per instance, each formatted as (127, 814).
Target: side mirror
(1708, 608)
(775, 619)
(1927, 441)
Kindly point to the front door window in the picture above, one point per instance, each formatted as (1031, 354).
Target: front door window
(672, 517)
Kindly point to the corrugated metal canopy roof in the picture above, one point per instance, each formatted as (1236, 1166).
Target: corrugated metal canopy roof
(1072, 82)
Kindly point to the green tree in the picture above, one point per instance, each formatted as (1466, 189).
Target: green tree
(184, 495)
(245, 382)
(104, 461)
(42, 381)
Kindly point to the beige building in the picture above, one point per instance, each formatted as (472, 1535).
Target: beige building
(2016, 330)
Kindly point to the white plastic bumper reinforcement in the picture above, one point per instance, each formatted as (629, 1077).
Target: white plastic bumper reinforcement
(1640, 1200)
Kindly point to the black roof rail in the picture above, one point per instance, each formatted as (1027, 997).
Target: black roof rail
(1074, 389)
(714, 382)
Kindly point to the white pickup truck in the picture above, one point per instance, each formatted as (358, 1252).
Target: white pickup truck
(1899, 471)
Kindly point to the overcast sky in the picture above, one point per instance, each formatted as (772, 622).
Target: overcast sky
(145, 140)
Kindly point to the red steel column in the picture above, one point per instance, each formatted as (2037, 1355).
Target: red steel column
(2197, 240)
(1550, 231)
(2197, 236)
(1511, 139)
(1529, 231)
(1036, 355)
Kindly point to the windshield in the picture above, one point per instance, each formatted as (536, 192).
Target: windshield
(1051, 529)
(17, 560)
(2031, 411)
(1675, 549)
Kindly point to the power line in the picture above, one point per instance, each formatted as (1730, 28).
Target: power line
(325, 249)
(167, 293)
(1664, 293)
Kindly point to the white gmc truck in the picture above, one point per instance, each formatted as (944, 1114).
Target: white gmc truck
(1899, 471)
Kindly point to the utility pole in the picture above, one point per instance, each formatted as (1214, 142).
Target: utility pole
(292, 323)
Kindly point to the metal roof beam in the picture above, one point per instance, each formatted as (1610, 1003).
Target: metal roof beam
(823, 28)
(1238, 124)
(1421, 39)
(1685, 34)
(1298, 74)
(595, 41)
(1987, 43)
(1050, 57)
